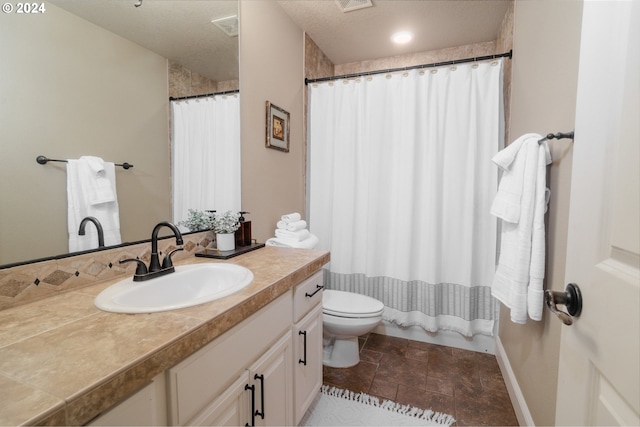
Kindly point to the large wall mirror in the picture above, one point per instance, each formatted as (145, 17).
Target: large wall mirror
(92, 78)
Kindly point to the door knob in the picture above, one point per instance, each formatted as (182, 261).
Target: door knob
(571, 298)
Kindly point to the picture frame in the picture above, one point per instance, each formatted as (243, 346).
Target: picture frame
(277, 128)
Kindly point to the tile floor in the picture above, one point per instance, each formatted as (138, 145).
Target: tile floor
(465, 384)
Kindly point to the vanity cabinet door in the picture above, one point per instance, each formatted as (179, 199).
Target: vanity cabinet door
(271, 376)
(232, 408)
(200, 380)
(307, 361)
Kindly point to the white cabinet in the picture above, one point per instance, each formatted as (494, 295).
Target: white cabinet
(206, 388)
(271, 379)
(307, 339)
(260, 396)
(229, 409)
(265, 371)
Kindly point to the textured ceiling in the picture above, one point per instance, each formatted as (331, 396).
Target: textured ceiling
(365, 33)
(181, 30)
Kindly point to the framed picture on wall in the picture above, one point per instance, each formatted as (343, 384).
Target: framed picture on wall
(277, 128)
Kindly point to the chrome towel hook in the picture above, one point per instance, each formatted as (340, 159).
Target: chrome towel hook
(570, 298)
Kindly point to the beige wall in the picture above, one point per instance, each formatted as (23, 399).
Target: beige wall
(271, 69)
(543, 97)
(67, 89)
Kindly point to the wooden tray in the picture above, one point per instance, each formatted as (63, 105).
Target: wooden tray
(215, 253)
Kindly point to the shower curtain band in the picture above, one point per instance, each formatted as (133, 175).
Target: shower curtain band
(414, 67)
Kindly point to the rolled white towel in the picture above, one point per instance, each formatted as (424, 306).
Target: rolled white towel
(297, 225)
(282, 225)
(294, 216)
(296, 236)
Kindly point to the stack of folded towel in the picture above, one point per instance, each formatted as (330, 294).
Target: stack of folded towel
(292, 232)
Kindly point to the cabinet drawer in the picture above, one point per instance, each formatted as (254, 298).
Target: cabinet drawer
(200, 378)
(307, 295)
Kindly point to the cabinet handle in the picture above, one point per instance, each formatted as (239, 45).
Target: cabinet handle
(253, 403)
(261, 378)
(318, 289)
(304, 334)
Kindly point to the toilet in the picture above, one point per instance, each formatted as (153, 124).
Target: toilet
(346, 316)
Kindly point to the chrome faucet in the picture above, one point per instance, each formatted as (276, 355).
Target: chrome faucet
(155, 268)
(95, 221)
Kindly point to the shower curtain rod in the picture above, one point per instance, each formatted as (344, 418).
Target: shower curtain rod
(228, 92)
(413, 67)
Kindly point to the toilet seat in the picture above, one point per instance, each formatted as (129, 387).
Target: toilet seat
(350, 305)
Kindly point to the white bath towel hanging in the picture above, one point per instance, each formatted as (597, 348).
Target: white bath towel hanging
(88, 195)
(98, 180)
(520, 273)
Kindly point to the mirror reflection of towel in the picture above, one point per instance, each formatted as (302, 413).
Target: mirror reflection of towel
(99, 179)
(91, 191)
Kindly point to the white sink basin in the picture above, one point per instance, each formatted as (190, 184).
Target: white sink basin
(189, 285)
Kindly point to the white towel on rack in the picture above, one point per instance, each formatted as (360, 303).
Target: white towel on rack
(99, 179)
(81, 197)
(520, 272)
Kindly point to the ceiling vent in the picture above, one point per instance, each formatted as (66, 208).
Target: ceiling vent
(229, 25)
(350, 5)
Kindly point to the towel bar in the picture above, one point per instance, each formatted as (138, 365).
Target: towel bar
(558, 135)
(43, 161)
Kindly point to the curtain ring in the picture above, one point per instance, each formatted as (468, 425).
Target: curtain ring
(434, 71)
(475, 65)
(388, 76)
(453, 68)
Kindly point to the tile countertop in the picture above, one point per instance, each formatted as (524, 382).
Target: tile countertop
(63, 361)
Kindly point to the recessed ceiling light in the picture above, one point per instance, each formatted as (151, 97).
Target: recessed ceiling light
(402, 37)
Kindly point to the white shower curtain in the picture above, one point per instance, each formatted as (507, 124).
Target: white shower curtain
(401, 183)
(206, 154)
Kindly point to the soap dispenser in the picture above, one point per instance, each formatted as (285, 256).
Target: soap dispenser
(243, 234)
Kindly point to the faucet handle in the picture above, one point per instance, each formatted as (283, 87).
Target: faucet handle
(140, 269)
(167, 262)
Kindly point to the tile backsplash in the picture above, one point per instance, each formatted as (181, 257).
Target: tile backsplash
(35, 281)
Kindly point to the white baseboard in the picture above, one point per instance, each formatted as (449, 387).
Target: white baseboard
(515, 393)
(479, 343)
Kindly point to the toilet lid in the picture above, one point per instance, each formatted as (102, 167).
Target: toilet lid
(349, 304)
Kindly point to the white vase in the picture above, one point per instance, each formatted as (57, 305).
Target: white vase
(226, 241)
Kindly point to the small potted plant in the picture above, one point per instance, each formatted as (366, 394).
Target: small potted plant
(197, 220)
(224, 225)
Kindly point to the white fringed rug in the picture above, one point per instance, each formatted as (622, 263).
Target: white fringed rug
(337, 407)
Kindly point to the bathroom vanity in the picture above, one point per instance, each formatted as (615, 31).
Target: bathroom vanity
(254, 357)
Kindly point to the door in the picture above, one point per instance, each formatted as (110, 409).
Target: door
(599, 367)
